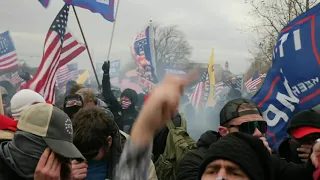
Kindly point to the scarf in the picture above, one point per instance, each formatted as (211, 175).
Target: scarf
(23, 153)
(125, 103)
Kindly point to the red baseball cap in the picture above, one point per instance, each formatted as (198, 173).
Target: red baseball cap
(303, 131)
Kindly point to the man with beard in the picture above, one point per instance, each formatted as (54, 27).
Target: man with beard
(43, 131)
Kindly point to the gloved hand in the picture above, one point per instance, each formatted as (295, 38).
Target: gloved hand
(25, 76)
(106, 67)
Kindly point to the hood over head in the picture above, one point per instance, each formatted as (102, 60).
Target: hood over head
(131, 94)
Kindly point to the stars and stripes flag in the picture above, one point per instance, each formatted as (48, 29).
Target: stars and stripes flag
(198, 95)
(8, 55)
(253, 82)
(67, 73)
(218, 87)
(235, 82)
(13, 78)
(44, 80)
(71, 48)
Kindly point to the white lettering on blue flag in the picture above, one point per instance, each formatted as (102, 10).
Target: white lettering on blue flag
(103, 1)
(286, 100)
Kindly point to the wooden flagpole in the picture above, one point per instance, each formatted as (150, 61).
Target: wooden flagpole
(113, 29)
(87, 47)
(1, 104)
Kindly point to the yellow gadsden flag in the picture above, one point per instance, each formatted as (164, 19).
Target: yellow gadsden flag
(211, 79)
(83, 77)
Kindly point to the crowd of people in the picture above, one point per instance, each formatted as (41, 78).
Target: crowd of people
(96, 137)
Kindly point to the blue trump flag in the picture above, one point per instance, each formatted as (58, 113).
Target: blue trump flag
(292, 83)
(44, 3)
(104, 7)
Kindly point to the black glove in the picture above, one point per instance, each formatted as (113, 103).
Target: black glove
(106, 67)
(25, 76)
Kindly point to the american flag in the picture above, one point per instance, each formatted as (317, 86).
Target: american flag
(218, 88)
(237, 84)
(8, 55)
(71, 49)
(199, 93)
(253, 82)
(44, 80)
(67, 72)
(263, 75)
(13, 78)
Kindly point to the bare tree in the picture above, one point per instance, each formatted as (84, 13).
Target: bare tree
(271, 16)
(170, 45)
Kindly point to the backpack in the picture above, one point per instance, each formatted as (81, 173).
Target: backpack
(178, 144)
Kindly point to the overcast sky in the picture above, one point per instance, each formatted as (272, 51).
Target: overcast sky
(205, 23)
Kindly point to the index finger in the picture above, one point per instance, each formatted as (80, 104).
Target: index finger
(43, 159)
(181, 81)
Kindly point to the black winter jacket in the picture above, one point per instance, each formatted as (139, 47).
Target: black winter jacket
(189, 166)
(288, 151)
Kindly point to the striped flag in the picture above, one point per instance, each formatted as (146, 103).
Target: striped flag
(218, 87)
(263, 75)
(70, 50)
(235, 82)
(253, 82)
(199, 93)
(67, 73)
(44, 80)
(15, 78)
(8, 55)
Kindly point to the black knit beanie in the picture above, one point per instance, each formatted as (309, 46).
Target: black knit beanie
(246, 151)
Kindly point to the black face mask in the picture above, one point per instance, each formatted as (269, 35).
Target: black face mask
(250, 127)
(71, 111)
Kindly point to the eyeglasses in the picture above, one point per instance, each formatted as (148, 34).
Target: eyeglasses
(250, 127)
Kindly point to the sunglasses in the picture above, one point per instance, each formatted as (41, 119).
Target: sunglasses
(250, 127)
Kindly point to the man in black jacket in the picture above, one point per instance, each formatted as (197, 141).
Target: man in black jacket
(124, 112)
(241, 115)
(303, 130)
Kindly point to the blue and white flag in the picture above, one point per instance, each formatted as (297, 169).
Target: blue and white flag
(104, 7)
(292, 84)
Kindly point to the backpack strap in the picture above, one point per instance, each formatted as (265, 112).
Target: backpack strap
(170, 125)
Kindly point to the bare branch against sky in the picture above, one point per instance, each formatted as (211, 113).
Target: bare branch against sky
(205, 23)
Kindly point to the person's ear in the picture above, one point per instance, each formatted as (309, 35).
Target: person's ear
(223, 131)
(109, 141)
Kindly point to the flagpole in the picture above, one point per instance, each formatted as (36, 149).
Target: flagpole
(113, 29)
(87, 47)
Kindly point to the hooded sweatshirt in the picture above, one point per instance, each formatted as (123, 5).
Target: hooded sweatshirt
(130, 113)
